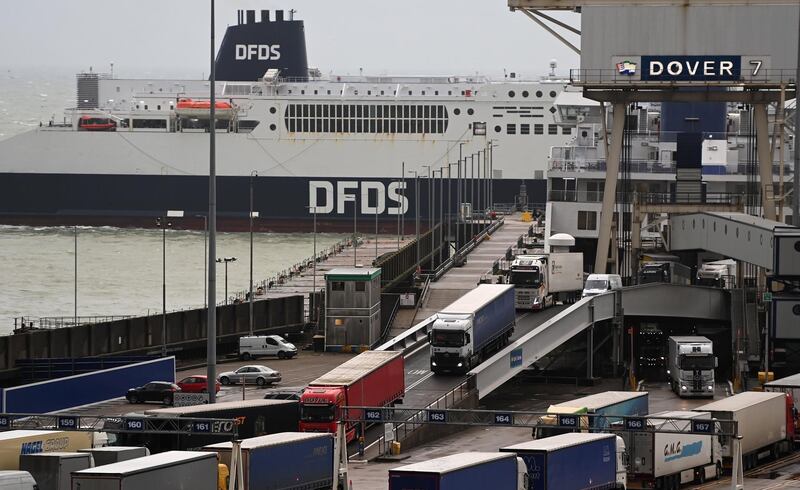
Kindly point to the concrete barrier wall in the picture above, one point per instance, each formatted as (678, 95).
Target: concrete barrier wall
(85, 389)
(142, 335)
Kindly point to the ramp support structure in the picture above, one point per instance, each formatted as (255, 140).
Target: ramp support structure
(610, 188)
(764, 161)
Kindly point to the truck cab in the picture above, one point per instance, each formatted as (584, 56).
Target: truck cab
(528, 277)
(691, 366)
(451, 343)
(319, 409)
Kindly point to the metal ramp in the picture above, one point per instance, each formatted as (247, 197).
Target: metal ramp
(666, 300)
(735, 235)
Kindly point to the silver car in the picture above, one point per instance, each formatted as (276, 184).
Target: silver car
(253, 374)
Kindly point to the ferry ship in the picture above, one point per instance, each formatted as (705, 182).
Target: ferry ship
(135, 149)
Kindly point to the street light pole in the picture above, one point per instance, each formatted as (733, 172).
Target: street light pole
(441, 211)
(252, 175)
(163, 222)
(211, 322)
(75, 312)
(401, 210)
(478, 189)
(225, 261)
(430, 214)
(416, 211)
(205, 259)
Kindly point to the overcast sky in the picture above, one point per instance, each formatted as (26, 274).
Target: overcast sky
(170, 37)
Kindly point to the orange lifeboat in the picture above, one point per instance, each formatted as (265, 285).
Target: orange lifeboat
(201, 109)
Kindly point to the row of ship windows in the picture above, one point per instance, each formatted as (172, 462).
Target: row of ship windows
(468, 93)
(366, 111)
(525, 94)
(341, 125)
(552, 129)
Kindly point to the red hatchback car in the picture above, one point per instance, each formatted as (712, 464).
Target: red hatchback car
(195, 384)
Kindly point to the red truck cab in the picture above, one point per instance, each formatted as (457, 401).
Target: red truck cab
(371, 379)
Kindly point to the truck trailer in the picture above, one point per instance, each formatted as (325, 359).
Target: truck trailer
(472, 327)
(541, 280)
(718, 274)
(575, 460)
(691, 366)
(464, 471)
(765, 423)
(371, 379)
(610, 404)
(16, 442)
(52, 470)
(667, 460)
(665, 272)
(180, 470)
(288, 460)
(253, 418)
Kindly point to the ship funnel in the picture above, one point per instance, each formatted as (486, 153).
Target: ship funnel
(249, 49)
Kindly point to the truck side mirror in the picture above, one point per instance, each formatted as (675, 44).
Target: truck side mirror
(716, 362)
(467, 337)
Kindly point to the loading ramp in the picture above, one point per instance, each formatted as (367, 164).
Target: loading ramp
(664, 300)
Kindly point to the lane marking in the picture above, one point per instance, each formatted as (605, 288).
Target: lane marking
(417, 382)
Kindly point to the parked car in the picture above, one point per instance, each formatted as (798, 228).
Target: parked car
(287, 393)
(251, 347)
(17, 480)
(252, 374)
(154, 391)
(197, 383)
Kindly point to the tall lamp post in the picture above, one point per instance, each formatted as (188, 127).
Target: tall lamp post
(163, 223)
(253, 214)
(205, 259)
(314, 260)
(416, 211)
(75, 312)
(211, 322)
(226, 261)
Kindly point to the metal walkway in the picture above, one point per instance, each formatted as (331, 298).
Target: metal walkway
(664, 300)
(735, 235)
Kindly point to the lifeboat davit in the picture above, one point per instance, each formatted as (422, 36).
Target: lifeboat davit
(92, 123)
(201, 109)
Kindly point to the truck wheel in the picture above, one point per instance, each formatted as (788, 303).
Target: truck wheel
(701, 475)
(246, 356)
(719, 471)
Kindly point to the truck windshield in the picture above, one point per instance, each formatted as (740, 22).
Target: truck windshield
(692, 363)
(596, 284)
(444, 338)
(526, 278)
(317, 413)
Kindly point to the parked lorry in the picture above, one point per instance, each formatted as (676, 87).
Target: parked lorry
(691, 366)
(52, 470)
(173, 469)
(791, 386)
(371, 379)
(575, 460)
(541, 280)
(464, 471)
(665, 272)
(608, 404)
(473, 326)
(115, 454)
(288, 460)
(765, 424)
(16, 442)
(718, 274)
(669, 459)
(253, 418)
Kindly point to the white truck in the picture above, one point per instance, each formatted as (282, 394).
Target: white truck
(667, 460)
(473, 326)
(691, 366)
(542, 279)
(718, 274)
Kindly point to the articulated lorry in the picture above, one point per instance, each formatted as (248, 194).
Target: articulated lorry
(667, 460)
(691, 366)
(718, 274)
(576, 460)
(541, 280)
(765, 422)
(16, 442)
(610, 404)
(371, 379)
(464, 471)
(472, 327)
(289, 460)
(173, 469)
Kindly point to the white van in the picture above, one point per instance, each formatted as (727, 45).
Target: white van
(601, 283)
(17, 480)
(265, 345)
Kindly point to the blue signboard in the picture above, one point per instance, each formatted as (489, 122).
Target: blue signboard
(704, 427)
(568, 420)
(5, 422)
(501, 418)
(437, 416)
(516, 358)
(691, 68)
(201, 426)
(67, 423)
(634, 424)
(373, 415)
(133, 424)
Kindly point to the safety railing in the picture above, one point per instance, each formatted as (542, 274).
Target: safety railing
(23, 323)
(610, 76)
